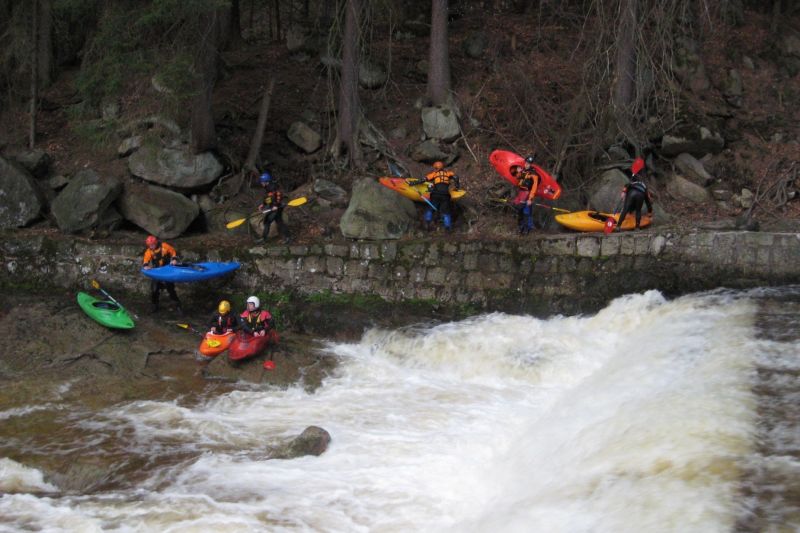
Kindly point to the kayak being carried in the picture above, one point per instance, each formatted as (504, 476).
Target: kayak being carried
(504, 161)
(417, 193)
(190, 272)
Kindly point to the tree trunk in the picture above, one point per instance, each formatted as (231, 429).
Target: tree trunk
(235, 26)
(277, 5)
(349, 107)
(439, 60)
(258, 135)
(204, 136)
(45, 45)
(34, 72)
(624, 88)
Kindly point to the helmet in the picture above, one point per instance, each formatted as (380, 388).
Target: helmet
(266, 177)
(255, 301)
(224, 307)
(438, 165)
(151, 240)
(637, 166)
(529, 159)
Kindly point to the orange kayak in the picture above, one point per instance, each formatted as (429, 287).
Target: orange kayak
(212, 345)
(415, 192)
(245, 345)
(596, 221)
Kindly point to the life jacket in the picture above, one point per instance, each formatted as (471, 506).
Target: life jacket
(439, 180)
(273, 199)
(528, 181)
(161, 256)
(224, 322)
(257, 320)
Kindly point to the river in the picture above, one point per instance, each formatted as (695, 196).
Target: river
(654, 414)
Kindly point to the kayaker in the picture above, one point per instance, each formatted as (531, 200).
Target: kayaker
(272, 207)
(255, 320)
(527, 183)
(159, 254)
(634, 194)
(439, 185)
(223, 321)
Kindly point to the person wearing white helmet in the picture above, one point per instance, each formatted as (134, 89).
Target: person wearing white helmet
(255, 320)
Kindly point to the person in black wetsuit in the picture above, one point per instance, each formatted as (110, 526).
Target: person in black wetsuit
(634, 194)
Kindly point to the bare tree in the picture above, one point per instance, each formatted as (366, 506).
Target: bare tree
(204, 136)
(349, 104)
(624, 83)
(34, 72)
(45, 45)
(234, 30)
(439, 58)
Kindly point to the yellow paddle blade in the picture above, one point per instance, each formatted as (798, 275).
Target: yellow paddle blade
(184, 326)
(212, 343)
(235, 223)
(297, 201)
(95, 284)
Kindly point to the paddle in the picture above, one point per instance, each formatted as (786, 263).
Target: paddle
(505, 200)
(211, 342)
(420, 195)
(239, 221)
(96, 285)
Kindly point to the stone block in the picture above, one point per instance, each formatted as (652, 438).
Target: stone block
(431, 256)
(559, 246)
(450, 248)
(475, 280)
(588, 247)
(506, 263)
(334, 266)
(471, 261)
(369, 251)
(298, 249)
(417, 274)
(337, 250)
(626, 245)
(313, 264)
(356, 269)
(378, 271)
(399, 273)
(413, 252)
(641, 244)
(389, 251)
(609, 245)
(487, 263)
(437, 276)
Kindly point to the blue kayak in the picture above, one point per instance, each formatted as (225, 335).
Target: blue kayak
(190, 272)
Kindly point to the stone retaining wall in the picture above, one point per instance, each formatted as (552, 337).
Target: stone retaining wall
(560, 273)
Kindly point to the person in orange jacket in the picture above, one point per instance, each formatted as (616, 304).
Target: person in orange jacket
(439, 186)
(527, 183)
(159, 254)
(255, 320)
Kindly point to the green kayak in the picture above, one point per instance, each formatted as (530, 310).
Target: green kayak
(105, 312)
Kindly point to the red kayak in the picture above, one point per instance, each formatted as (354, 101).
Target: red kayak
(245, 345)
(503, 161)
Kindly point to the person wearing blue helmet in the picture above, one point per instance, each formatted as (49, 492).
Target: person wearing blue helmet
(272, 207)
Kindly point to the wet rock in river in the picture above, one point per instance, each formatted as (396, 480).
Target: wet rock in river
(312, 441)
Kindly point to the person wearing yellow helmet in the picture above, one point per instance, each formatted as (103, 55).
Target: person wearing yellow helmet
(223, 321)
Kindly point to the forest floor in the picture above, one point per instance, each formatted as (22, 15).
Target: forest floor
(762, 134)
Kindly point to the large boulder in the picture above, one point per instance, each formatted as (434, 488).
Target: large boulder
(164, 213)
(606, 194)
(693, 169)
(327, 190)
(174, 167)
(432, 150)
(688, 65)
(698, 143)
(20, 198)
(80, 205)
(313, 440)
(376, 212)
(440, 122)
(35, 161)
(304, 137)
(682, 188)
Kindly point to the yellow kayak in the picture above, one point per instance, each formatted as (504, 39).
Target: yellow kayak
(596, 221)
(413, 192)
